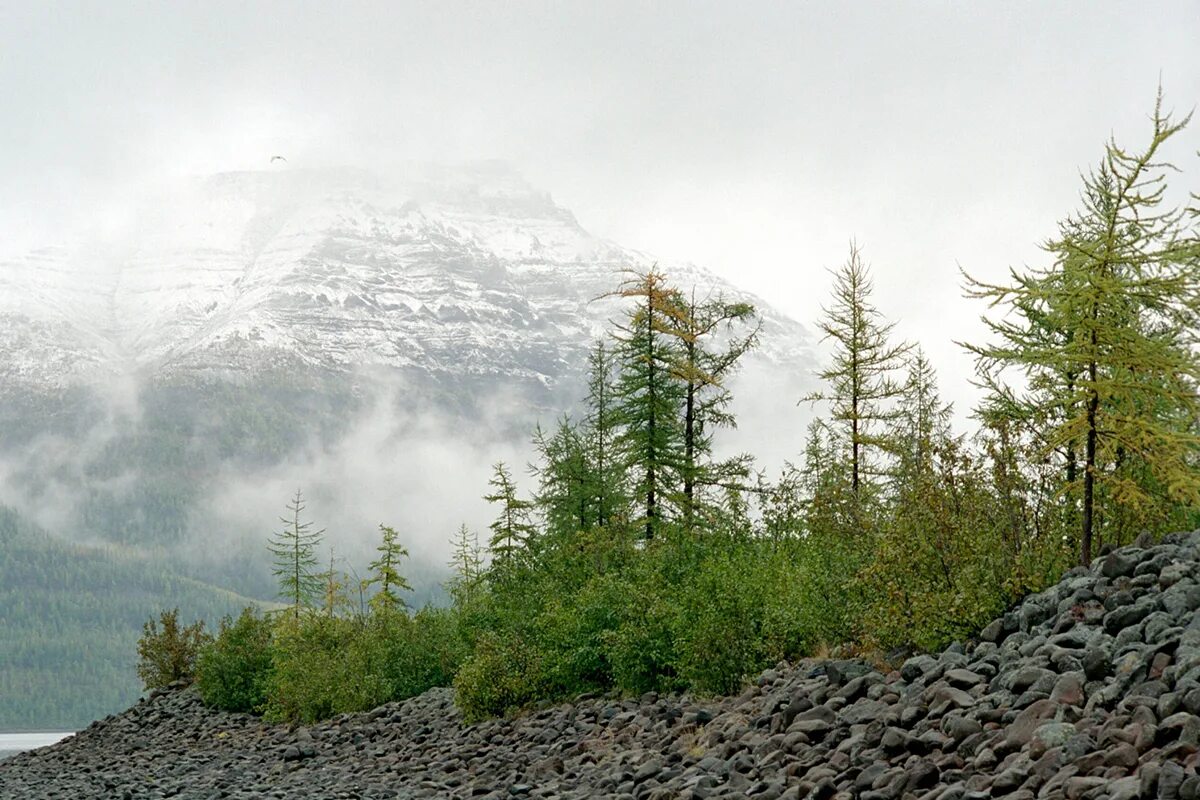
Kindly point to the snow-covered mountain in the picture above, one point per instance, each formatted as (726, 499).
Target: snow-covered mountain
(446, 271)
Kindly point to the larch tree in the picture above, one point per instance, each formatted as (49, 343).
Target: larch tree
(294, 554)
(860, 376)
(385, 573)
(333, 589)
(565, 492)
(511, 530)
(703, 367)
(649, 395)
(1124, 286)
(601, 430)
(466, 562)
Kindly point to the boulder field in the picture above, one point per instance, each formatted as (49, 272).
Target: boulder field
(1090, 689)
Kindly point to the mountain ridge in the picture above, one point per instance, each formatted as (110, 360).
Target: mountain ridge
(467, 270)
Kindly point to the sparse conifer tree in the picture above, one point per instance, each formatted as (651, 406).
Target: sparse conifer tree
(703, 368)
(601, 430)
(467, 563)
(385, 573)
(295, 561)
(860, 377)
(512, 530)
(566, 494)
(650, 395)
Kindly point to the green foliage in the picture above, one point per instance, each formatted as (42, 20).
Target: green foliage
(70, 619)
(512, 529)
(720, 630)
(168, 654)
(321, 666)
(500, 677)
(234, 670)
(649, 397)
(860, 377)
(466, 563)
(386, 575)
(1103, 348)
(293, 550)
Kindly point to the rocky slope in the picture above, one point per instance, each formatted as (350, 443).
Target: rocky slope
(1090, 689)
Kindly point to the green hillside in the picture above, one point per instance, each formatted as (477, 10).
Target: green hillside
(70, 617)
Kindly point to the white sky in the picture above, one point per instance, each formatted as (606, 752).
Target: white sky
(753, 138)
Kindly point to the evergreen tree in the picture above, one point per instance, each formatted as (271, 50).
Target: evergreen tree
(860, 376)
(295, 561)
(1124, 288)
(650, 394)
(467, 565)
(512, 530)
(921, 424)
(566, 495)
(385, 573)
(703, 370)
(334, 582)
(600, 438)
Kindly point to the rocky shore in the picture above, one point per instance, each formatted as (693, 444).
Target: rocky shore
(1090, 689)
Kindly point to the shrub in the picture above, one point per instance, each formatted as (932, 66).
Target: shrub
(420, 653)
(232, 671)
(718, 624)
(169, 654)
(502, 676)
(322, 666)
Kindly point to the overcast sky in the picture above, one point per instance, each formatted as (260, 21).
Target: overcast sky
(752, 138)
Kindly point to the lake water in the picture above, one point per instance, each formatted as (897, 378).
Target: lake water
(13, 743)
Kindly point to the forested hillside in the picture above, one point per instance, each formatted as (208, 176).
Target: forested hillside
(69, 619)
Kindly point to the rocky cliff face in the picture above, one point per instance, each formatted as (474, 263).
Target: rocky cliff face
(1090, 689)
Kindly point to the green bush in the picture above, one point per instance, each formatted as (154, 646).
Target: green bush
(415, 654)
(502, 676)
(169, 654)
(719, 624)
(322, 666)
(232, 671)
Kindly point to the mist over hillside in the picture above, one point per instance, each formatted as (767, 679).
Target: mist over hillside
(172, 376)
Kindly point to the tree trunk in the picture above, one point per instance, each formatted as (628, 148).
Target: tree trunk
(689, 436)
(1089, 467)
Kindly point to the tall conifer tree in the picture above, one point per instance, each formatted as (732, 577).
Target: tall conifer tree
(703, 369)
(1124, 288)
(512, 530)
(385, 573)
(860, 377)
(295, 560)
(649, 395)
(601, 430)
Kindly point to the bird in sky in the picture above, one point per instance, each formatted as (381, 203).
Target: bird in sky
(278, 158)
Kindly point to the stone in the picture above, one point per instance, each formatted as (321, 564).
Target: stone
(963, 678)
(947, 697)
(1183, 727)
(1123, 617)
(1096, 662)
(1049, 735)
(1118, 565)
(960, 727)
(1021, 730)
(917, 667)
(1170, 780)
(1068, 689)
